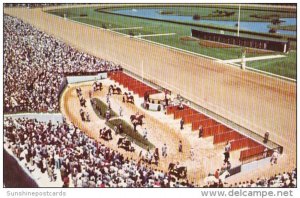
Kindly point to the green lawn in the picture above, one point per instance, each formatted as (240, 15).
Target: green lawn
(110, 20)
(150, 27)
(284, 66)
(101, 108)
(131, 134)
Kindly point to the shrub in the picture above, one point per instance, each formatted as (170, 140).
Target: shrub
(137, 138)
(100, 108)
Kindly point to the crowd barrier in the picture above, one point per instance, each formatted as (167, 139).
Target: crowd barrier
(243, 143)
(131, 83)
(81, 73)
(85, 78)
(204, 123)
(214, 129)
(194, 118)
(211, 127)
(173, 109)
(227, 136)
(253, 152)
(180, 113)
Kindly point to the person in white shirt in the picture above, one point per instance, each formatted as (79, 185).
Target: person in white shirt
(274, 157)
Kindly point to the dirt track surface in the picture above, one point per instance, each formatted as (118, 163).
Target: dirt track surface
(255, 101)
(161, 129)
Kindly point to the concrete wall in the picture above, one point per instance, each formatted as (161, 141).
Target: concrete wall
(77, 79)
(42, 117)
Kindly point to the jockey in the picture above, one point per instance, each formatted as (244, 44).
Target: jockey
(125, 139)
(176, 166)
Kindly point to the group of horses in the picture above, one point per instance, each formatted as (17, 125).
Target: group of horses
(127, 97)
(179, 172)
(80, 96)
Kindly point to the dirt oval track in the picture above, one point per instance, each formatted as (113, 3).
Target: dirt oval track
(255, 101)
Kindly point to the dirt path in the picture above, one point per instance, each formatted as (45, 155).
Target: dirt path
(161, 129)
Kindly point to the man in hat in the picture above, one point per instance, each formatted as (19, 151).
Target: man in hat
(181, 124)
(200, 131)
(266, 138)
(180, 147)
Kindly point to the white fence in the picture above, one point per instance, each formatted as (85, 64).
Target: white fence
(77, 79)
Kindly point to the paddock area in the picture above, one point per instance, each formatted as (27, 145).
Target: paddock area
(161, 128)
(256, 102)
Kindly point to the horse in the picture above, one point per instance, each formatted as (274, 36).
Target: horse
(115, 90)
(125, 144)
(146, 96)
(82, 102)
(180, 172)
(97, 86)
(106, 135)
(129, 98)
(211, 179)
(79, 92)
(134, 117)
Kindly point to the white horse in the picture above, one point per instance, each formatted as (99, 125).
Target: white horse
(212, 179)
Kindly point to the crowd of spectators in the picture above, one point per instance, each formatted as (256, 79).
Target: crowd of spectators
(34, 67)
(285, 180)
(35, 64)
(81, 160)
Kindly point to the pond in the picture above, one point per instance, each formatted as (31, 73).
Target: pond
(153, 13)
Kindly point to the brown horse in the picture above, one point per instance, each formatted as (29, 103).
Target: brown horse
(97, 86)
(115, 90)
(138, 118)
(129, 98)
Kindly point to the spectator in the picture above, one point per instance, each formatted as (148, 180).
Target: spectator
(35, 64)
(180, 147)
(83, 161)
